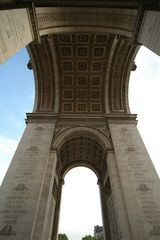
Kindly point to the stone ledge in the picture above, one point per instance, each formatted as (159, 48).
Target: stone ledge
(54, 117)
(121, 118)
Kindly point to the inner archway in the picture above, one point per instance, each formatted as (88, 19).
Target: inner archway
(82, 148)
(82, 151)
(80, 204)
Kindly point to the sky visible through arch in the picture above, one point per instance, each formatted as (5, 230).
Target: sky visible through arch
(17, 98)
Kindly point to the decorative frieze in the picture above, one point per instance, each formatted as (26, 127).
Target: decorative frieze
(100, 128)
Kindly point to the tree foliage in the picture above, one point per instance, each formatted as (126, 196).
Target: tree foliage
(62, 236)
(89, 237)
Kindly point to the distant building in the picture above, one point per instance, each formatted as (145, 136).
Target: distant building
(98, 231)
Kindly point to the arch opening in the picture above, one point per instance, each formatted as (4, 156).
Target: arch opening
(80, 204)
(84, 150)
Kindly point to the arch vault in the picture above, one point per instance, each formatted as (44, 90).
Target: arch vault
(81, 53)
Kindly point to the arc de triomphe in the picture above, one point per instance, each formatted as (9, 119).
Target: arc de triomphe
(81, 53)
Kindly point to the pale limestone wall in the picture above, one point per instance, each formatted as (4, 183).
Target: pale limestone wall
(139, 181)
(149, 34)
(15, 32)
(26, 189)
(118, 199)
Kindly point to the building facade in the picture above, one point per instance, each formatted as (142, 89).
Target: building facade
(98, 231)
(82, 54)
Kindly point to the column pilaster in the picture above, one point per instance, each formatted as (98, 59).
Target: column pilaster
(25, 190)
(139, 181)
(57, 210)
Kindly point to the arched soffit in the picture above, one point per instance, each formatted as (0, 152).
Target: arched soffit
(119, 21)
(82, 146)
(82, 73)
(102, 136)
(81, 151)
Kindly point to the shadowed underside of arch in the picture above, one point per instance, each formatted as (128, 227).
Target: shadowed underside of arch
(82, 73)
(82, 151)
(82, 146)
(83, 63)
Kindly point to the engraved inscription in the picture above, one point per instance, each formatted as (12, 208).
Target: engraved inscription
(7, 230)
(21, 187)
(155, 230)
(32, 148)
(143, 187)
(39, 128)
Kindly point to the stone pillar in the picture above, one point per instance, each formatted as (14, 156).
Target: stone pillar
(104, 211)
(149, 34)
(25, 194)
(140, 185)
(57, 210)
(123, 225)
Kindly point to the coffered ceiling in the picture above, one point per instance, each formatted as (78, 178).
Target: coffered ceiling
(82, 73)
(84, 151)
(83, 62)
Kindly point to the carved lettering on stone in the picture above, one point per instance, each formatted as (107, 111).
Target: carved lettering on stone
(155, 230)
(21, 187)
(32, 148)
(7, 230)
(143, 187)
(39, 128)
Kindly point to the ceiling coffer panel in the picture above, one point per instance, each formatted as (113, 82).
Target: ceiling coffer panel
(82, 73)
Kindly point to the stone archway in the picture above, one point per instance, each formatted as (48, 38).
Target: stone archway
(82, 146)
(80, 207)
(81, 66)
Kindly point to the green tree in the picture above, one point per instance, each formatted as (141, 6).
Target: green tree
(89, 237)
(62, 236)
(100, 238)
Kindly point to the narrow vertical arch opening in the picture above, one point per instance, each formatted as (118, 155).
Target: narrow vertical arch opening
(80, 204)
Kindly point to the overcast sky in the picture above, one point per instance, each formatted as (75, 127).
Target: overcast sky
(80, 209)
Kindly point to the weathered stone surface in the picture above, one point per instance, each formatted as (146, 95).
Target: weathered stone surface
(149, 34)
(15, 32)
(21, 193)
(81, 118)
(139, 181)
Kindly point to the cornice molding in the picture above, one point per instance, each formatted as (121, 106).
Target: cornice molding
(117, 21)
